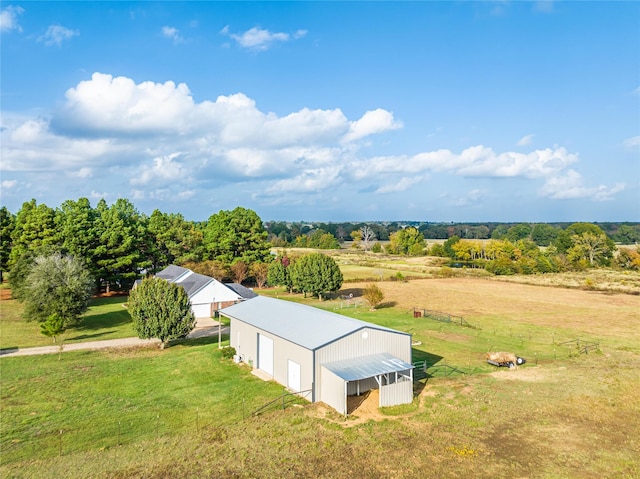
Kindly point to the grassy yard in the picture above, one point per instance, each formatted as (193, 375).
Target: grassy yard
(94, 400)
(107, 318)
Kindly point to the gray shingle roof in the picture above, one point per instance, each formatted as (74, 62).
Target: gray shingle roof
(171, 272)
(194, 283)
(241, 291)
(304, 325)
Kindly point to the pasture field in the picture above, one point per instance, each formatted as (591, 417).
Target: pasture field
(178, 413)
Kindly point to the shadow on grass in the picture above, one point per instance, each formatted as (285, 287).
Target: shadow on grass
(420, 376)
(388, 304)
(89, 336)
(111, 319)
(348, 292)
(202, 341)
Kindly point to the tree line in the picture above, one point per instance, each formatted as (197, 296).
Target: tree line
(118, 243)
(308, 234)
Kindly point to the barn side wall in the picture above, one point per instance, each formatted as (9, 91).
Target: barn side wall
(244, 338)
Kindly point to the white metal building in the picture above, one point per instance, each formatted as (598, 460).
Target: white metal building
(321, 355)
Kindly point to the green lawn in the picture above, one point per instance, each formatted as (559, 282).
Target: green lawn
(107, 318)
(91, 400)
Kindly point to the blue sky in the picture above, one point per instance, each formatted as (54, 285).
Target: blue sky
(326, 111)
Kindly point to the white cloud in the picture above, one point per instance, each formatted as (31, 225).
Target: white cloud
(164, 145)
(258, 39)
(8, 184)
(570, 186)
(372, 122)
(543, 6)
(165, 170)
(632, 143)
(9, 19)
(402, 184)
(525, 140)
(56, 34)
(172, 34)
(95, 195)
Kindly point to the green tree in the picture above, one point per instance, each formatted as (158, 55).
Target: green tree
(591, 247)
(448, 246)
(627, 234)
(518, 232)
(317, 274)
(121, 252)
(323, 240)
(373, 294)
(34, 228)
(7, 223)
(236, 235)
(161, 310)
(406, 241)
(76, 229)
(53, 327)
(60, 285)
(544, 234)
(279, 272)
(174, 240)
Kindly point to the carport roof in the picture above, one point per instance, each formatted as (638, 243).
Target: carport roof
(365, 367)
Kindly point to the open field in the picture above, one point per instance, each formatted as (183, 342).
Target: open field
(107, 318)
(178, 412)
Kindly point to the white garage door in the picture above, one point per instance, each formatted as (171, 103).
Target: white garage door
(201, 310)
(265, 354)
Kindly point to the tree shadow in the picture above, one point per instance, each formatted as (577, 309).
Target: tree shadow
(349, 293)
(201, 341)
(103, 320)
(89, 336)
(388, 304)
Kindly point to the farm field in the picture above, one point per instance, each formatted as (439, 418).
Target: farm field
(560, 415)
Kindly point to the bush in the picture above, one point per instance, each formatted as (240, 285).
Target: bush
(228, 353)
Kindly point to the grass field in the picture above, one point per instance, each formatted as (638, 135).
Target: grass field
(107, 318)
(178, 413)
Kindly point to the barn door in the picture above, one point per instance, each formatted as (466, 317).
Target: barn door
(293, 376)
(265, 354)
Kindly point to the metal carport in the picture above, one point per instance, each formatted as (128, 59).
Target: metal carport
(393, 376)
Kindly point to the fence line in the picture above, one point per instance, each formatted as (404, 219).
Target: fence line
(287, 397)
(442, 317)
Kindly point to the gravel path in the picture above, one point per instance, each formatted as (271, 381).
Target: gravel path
(199, 332)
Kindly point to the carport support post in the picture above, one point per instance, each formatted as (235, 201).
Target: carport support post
(346, 404)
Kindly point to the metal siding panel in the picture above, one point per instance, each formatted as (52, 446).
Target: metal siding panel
(355, 345)
(333, 391)
(397, 393)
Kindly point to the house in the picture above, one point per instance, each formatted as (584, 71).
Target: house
(207, 295)
(321, 355)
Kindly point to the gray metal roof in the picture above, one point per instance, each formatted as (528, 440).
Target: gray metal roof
(367, 366)
(172, 272)
(304, 325)
(241, 291)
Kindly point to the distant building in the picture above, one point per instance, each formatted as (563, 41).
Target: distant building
(321, 355)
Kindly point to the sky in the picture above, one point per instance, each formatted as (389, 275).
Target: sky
(509, 111)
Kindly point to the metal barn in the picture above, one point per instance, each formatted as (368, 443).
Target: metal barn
(321, 355)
